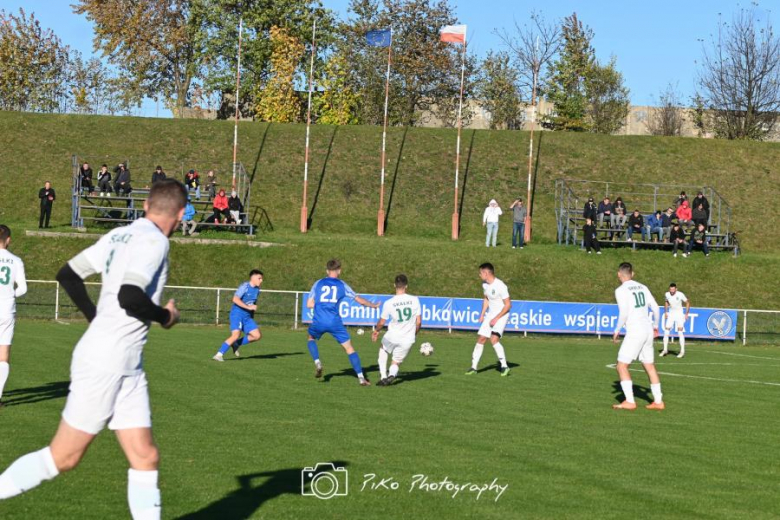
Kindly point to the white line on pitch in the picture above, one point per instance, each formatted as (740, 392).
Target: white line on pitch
(740, 355)
(705, 377)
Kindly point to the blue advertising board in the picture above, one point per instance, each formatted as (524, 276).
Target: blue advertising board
(537, 317)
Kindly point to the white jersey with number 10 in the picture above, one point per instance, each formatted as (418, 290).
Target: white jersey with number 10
(634, 301)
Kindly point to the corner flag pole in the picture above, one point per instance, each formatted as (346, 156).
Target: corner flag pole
(238, 86)
(527, 237)
(304, 207)
(380, 218)
(455, 224)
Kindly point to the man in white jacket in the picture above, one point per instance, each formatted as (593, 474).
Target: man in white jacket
(490, 221)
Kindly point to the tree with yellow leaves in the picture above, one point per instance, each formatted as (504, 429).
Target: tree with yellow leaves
(276, 100)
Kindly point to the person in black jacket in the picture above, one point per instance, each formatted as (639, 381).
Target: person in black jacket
(636, 224)
(698, 240)
(158, 175)
(591, 210)
(122, 182)
(699, 215)
(104, 181)
(85, 175)
(677, 238)
(47, 196)
(701, 199)
(235, 207)
(589, 237)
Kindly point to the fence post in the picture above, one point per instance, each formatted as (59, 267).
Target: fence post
(57, 301)
(216, 316)
(744, 328)
(295, 325)
(655, 199)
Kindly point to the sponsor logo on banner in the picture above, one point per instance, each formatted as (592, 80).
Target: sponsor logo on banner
(719, 324)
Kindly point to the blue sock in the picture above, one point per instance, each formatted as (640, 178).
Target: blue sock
(245, 340)
(313, 350)
(224, 348)
(355, 360)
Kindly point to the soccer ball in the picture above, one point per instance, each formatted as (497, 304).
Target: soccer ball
(360, 332)
(426, 349)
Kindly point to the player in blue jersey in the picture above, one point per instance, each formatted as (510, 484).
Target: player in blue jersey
(325, 297)
(242, 315)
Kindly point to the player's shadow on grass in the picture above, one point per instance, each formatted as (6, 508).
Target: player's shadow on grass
(243, 502)
(36, 394)
(496, 367)
(428, 371)
(640, 392)
(348, 372)
(266, 356)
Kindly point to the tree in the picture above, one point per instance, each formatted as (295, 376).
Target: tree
(739, 78)
(92, 86)
(276, 99)
(498, 93)
(607, 98)
(33, 65)
(565, 87)
(337, 103)
(668, 117)
(156, 44)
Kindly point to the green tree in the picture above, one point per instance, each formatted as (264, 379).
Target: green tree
(91, 86)
(33, 65)
(607, 98)
(565, 86)
(276, 99)
(337, 102)
(498, 93)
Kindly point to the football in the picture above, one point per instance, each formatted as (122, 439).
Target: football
(426, 349)
(360, 332)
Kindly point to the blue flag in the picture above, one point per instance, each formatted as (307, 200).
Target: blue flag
(379, 38)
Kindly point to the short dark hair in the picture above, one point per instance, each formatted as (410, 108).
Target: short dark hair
(401, 281)
(104, 165)
(254, 272)
(5, 232)
(672, 285)
(333, 265)
(488, 267)
(626, 268)
(158, 167)
(167, 196)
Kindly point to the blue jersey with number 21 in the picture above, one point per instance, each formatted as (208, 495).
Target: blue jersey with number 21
(328, 294)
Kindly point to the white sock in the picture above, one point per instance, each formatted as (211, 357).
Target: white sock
(657, 395)
(394, 370)
(143, 496)
(382, 363)
(27, 472)
(317, 363)
(682, 342)
(4, 369)
(499, 348)
(666, 339)
(476, 355)
(628, 390)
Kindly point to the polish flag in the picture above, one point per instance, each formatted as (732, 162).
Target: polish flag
(453, 34)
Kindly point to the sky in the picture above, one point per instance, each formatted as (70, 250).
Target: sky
(655, 42)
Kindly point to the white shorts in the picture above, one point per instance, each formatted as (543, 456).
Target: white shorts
(674, 320)
(399, 351)
(7, 330)
(485, 330)
(637, 346)
(97, 398)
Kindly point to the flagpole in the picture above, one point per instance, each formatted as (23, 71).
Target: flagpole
(527, 237)
(304, 207)
(238, 87)
(455, 223)
(380, 218)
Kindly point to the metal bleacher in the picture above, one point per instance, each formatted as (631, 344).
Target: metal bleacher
(92, 208)
(572, 194)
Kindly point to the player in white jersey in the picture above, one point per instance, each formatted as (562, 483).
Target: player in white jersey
(674, 317)
(634, 300)
(13, 284)
(108, 384)
(494, 316)
(404, 314)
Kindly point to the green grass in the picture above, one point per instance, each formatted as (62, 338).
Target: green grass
(547, 431)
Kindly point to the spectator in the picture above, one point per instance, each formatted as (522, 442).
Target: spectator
(104, 180)
(677, 237)
(210, 184)
(684, 214)
(698, 240)
(680, 199)
(85, 175)
(519, 214)
(47, 196)
(699, 215)
(221, 208)
(666, 223)
(636, 224)
(490, 221)
(701, 199)
(188, 224)
(235, 207)
(590, 240)
(192, 181)
(590, 211)
(655, 225)
(605, 212)
(158, 175)
(619, 213)
(122, 183)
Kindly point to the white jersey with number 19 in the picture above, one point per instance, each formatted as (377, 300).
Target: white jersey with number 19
(401, 311)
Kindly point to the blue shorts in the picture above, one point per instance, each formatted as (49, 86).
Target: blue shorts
(337, 330)
(240, 320)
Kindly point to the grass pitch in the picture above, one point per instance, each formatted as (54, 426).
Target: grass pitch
(234, 436)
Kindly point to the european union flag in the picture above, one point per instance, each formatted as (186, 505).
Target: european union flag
(379, 38)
